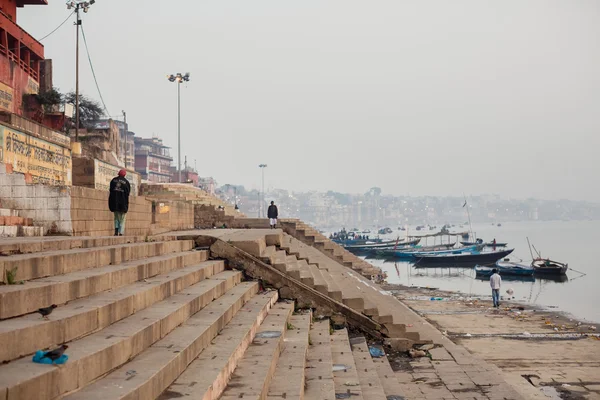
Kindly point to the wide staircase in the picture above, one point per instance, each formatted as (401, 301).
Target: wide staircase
(188, 193)
(312, 237)
(156, 319)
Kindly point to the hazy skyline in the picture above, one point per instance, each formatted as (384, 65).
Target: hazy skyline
(426, 98)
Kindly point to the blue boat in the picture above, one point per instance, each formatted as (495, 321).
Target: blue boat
(409, 254)
(505, 268)
(471, 258)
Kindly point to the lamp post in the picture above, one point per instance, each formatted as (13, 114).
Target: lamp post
(179, 79)
(262, 167)
(85, 6)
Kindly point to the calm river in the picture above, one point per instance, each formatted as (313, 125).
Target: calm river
(572, 242)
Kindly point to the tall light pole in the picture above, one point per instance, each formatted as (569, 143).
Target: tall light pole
(179, 79)
(262, 203)
(85, 6)
(125, 129)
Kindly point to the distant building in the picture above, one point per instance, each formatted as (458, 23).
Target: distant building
(207, 184)
(188, 175)
(153, 160)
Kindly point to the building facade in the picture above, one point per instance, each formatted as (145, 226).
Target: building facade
(21, 58)
(153, 160)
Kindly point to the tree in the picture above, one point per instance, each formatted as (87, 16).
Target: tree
(89, 110)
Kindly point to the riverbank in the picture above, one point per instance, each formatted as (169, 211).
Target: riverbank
(542, 353)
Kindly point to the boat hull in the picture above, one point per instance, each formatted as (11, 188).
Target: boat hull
(474, 258)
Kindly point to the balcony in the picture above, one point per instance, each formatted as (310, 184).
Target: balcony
(19, 46)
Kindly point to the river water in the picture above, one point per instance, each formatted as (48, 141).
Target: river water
(573, 242)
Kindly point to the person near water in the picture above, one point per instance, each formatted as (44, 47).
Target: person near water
(495, 282)
(272, 214)
(118, 201)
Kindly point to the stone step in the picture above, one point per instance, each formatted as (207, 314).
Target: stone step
(391, 385)
(7, 212)
(154, 369)
(370, 385)
(254, 372)
(16, 300)
(319, 364)
(52, 263)
(333, 289)
(345, 376)
(289, 379)
(207, 376)
(29, 333)
(25, 246)
(320, 285)
(97, 354)
(306, 276)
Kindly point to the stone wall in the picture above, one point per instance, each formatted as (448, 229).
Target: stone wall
(80, 211)
(96, 174)
(207, 216)
(48, 206)
(90, 215)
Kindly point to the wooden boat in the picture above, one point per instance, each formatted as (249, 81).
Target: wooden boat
(487, 244)
(381, 245)
(409, 254)
(407, 251)
(505, 268)
(549, 267)
(473, 257)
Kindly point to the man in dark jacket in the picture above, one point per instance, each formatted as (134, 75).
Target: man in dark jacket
(118, 201)
(272, 214)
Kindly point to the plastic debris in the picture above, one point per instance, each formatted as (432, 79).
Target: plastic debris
(526, 334)
(376, 352)
(39, 358)
(468, 335)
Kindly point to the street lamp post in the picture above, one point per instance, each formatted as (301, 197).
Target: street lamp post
(85, 6)
(262, 203)
(179, 78)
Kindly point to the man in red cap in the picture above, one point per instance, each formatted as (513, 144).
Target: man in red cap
(118, 201)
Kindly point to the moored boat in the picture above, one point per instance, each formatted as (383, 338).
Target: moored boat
(549, 267)
(505, 268)
(469, 257)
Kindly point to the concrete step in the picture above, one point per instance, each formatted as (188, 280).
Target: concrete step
(391, 385)
(370, 385)
(27, 334)
(254, 372)
(289, 379)
(152, 371)
(52, 263)
(333, 290)
(319, 364)
(319, 283)
(16, 300)
(25, 246)
(95, 355)
(7, 212)
(207, 376)
(345, 376)
(306, 276)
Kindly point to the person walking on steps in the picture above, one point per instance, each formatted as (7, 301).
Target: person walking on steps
(118, 201)
(272, 215)
(495, 282)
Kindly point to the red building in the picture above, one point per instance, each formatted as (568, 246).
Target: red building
(21, 58)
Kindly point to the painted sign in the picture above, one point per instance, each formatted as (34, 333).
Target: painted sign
(33, 87)
(48, 163)
(6, 97)
(104, 173)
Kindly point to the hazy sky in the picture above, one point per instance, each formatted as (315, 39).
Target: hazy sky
(417, 97)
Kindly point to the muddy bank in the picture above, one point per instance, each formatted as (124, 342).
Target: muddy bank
(542, 353)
